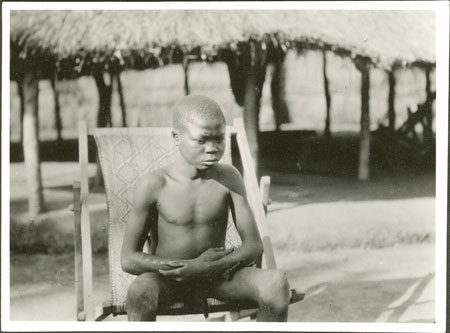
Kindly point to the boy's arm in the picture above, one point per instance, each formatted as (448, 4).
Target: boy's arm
(252, 246)
(143, 216)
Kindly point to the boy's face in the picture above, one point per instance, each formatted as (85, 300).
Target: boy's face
(201, 142)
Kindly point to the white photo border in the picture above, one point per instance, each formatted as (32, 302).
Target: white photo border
(441, 8)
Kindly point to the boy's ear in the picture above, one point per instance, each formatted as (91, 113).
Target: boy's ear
(176, 137)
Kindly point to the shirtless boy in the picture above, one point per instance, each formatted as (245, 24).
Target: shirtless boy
(184, 206)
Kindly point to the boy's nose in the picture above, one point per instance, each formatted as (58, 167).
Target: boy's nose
(211, 147)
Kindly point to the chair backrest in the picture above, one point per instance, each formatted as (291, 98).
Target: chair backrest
(126, 154)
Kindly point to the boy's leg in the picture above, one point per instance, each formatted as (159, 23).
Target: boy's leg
(269, 289)
(145, 294)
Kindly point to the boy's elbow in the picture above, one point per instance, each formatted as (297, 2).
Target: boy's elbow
(259, 248)
(126, 265)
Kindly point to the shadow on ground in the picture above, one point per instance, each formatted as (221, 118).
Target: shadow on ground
(303, 189)
(363, 301)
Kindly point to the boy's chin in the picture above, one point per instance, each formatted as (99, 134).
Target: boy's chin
(206, 166)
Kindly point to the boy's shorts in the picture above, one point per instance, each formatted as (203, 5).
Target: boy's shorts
(195, 294)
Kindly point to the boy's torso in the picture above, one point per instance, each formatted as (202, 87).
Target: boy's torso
(192, 217)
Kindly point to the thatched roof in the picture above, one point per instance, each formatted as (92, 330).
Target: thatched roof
(386, 37)
(148, 38)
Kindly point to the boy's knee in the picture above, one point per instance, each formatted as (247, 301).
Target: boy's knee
(273, 290)
(143, 294)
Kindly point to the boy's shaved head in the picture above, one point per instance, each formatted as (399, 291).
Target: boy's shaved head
(195, 106)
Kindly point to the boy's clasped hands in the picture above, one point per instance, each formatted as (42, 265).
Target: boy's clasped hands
(205, 265)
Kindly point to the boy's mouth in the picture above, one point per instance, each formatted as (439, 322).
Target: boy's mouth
(210, 161)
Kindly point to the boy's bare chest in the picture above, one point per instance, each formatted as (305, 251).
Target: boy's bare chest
(193, 203)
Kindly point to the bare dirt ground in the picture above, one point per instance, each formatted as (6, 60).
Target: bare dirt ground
(362, 252)
(350, 285)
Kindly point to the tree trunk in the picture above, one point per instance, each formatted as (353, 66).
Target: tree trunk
(255, 76)
(31, 145)
(121, 100)
(278, 90)
(237, 75)
(186, 75)
(104, 87)
(391, 100)
(327, 130)
(58, 122)
(364, 150)
(251, 117)
(247, 72)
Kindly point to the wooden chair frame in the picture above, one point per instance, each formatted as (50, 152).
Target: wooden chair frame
(258, 198)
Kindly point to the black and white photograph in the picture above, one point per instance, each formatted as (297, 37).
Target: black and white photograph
(224, 166)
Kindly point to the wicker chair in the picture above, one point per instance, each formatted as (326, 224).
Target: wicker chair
(125, 155)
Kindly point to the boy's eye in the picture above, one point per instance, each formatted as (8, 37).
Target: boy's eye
(201, 141)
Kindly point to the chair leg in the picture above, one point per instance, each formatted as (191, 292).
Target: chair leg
(76, 207)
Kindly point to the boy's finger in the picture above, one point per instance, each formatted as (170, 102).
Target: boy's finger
(170, 272)
(228, 251)
(224, 253)
(176, 264)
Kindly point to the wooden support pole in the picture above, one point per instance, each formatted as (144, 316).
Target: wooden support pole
(364, 149)
(58, 122)
(278, 90)
(22, 107)
(428, 80)
(103, 81)
(186, 74)
(391, 100)
(121, 100)
(327, 130)
(428, 128)
(31, 144)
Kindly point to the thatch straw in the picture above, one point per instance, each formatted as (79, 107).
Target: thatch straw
(386, 37)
